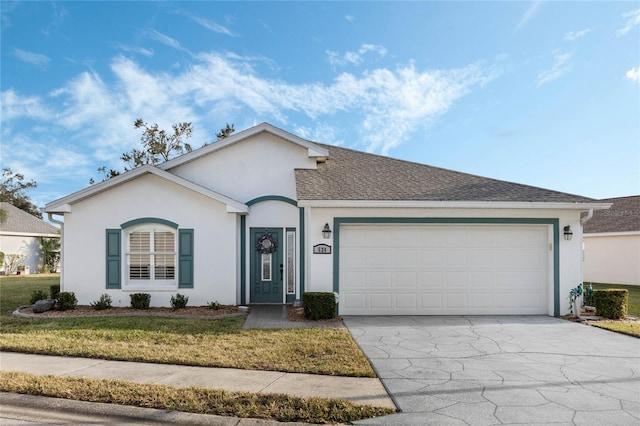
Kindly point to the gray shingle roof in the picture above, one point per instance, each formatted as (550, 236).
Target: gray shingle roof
(21, 221)
(356, 175)
(623, 216)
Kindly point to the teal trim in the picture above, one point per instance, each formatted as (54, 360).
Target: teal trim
(243, 260)
(113, 262)
(144, 220)
(302, 251)
(452, 220)
(185, 258)
(272, 198)
(291, 297)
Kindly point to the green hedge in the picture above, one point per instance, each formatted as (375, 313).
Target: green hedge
(319, 305)
(611, 303)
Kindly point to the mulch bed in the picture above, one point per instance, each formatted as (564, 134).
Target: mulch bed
(88, 311)
(297, 315)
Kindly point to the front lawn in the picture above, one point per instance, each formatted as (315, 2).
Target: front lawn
(209, 343)
(283, 408)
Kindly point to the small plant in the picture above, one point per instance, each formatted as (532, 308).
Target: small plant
(103, 303)
(214, 305)
(54, 290)
(179, 301)
(66, 300)
(319, 305)
(38, 295)
(611, 303)
(140, 300)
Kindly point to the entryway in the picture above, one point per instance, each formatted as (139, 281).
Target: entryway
(267, 267)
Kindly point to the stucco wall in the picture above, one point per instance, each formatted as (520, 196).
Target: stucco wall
(612, 259)
(261, 165)
(26, 246)
(319, 272)
(215, 240)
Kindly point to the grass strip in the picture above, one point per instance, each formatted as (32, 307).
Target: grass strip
(632, 329)
(283, 408)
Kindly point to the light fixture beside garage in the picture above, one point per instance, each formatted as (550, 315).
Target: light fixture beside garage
(568, 233)
(326, 231)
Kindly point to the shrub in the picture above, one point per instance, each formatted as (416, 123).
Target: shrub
(38, 295)
(319, 305)
(54, 290)
(66, 300)
(611, 303)
(103, 303)
(140, 300)
(214, 305)
(179, 301)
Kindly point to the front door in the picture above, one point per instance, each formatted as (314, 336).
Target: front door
(266, 266)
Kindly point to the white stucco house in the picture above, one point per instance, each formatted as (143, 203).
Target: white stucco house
(241, 221)
(612, 243)
(19, 237)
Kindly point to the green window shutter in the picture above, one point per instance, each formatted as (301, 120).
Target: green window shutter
(114, 271)
(185, 258)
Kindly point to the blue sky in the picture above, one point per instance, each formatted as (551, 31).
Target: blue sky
(540, 93)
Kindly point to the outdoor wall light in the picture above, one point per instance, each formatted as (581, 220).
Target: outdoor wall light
(568, 233)
(326, 231)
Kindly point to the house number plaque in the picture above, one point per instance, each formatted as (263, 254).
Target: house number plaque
(322, 249)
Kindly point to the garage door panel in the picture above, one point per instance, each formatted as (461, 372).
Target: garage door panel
(443, 269)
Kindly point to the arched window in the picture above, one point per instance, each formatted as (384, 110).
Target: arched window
(150, 255)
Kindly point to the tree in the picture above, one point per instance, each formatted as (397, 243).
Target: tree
(158, 145)
(12, 191)
(50, 253)
(226, 132)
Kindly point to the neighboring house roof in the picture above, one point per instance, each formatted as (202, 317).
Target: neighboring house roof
(21, 222)
(62, 205)
(623, 216)
(354, 175)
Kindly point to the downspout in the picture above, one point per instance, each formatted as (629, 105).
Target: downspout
(587, 217)
(582, 222)
(61, 224)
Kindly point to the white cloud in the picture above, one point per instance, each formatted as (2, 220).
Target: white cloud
(140, 50)
(634, 74)
(14, 106)
(165, 39)
(212, 26)
(349, 18)
(95, 119)
(633, 20)
(31, 58)
(528, 14)
(355, 58)
(575, 35)
(560, 67)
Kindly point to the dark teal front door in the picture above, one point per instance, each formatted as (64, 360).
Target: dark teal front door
(266, 265)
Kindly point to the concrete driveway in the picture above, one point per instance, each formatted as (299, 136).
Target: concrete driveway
(502, 370)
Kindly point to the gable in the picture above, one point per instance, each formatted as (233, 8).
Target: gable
(260, 164)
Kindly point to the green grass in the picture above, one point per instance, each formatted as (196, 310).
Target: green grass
(632, 329)
(199, 342)
(283, 408)
(634, 295)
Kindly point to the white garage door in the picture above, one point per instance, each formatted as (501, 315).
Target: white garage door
(444, 269)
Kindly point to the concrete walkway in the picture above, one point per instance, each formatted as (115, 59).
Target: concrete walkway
(502, 370)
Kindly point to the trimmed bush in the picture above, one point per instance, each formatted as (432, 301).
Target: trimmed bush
(66, 300)
(179, 301)
(54, 291)
(38, 295)
(140, 300)
(318, 305)
(611, 303)
(214, 305)
(103, 303)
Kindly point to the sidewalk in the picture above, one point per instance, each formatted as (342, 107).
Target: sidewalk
(361, 391)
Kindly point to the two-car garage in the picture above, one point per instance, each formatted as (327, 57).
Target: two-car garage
(445, 269)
